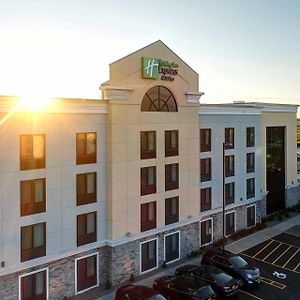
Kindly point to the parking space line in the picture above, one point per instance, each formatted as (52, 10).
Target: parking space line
(291, 258)
(296, 267)
(266, 262)
(272, 251)
(251, 295)
(273, 283)
(282, 254)
(261, 250)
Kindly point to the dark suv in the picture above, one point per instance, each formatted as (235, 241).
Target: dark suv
(234, 265)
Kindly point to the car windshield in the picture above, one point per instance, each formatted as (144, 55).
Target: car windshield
(238, 262)
(156, 297)
(205, 292)
(222, 278)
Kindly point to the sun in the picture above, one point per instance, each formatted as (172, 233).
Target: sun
(34, 103)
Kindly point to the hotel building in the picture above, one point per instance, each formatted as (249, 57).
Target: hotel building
(93, 191)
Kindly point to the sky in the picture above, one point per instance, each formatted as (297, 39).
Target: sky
(242, 50)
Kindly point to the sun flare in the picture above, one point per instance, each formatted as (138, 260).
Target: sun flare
(34, 103)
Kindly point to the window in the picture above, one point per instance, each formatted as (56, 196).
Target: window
(148, 144)
(250, 137)
(172, 247)
(205, 168)
(230, 223)
(33, 241)
(148, 216)
(229, 138)
(171, 143)
(229, 193)
(34, 286)
(159, 98)
(86, 148)
(206, 232)
(171, 210)
(86, 228)
(171, 177)
(33, 196)
(148, 255)
(250, 188)
(251, 218)
(229, 165)
(205, 199)
(86, 188)
(205, 140)
(250, 162)
(32, 150)
(148, 180)
(87, 272)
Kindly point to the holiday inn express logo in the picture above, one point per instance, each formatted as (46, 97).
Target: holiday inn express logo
(155, 68)
(150, 67)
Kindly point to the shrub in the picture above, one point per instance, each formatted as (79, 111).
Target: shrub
(132, 277)
(108, 285)
(244, 232)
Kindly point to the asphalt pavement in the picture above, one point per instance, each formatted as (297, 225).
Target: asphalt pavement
(261, 239)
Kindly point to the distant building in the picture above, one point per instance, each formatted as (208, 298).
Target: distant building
(93, 191)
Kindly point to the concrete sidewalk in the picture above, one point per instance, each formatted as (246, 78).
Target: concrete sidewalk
(236, 247)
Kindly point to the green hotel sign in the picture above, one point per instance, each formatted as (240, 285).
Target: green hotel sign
(155, 68)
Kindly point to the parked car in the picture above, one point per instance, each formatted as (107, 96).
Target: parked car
(222, 283)
(234, 265)
(137, 292)
(185, 287)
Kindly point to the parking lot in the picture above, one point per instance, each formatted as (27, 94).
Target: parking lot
(278, 258)
(279, 261)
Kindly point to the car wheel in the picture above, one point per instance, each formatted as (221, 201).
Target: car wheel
(205, 261)
(241, 282)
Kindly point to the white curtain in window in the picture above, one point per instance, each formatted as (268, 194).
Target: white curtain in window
(173, 139)
(151, 140)
(91, 266)
(39, 288)
(90, 226)
(150, 211)
(174, 172)
(38, 146)
(38, 235)
(90, 178)
(152, 249)
(150, 176)
(39, 191)
(91, 143)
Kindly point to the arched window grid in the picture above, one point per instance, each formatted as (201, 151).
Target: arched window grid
(159, 98)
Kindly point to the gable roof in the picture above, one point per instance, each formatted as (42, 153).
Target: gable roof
(152, 45)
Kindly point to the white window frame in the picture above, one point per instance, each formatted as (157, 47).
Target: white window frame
(97, 272)
(227, 213)
(31, 273)
(172, 233)
(212, 231)
(147, 271)
(254, 215)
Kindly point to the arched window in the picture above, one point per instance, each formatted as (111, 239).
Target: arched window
(159, 98)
